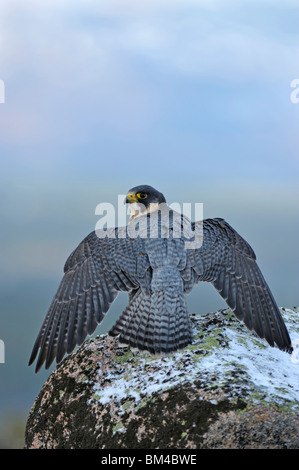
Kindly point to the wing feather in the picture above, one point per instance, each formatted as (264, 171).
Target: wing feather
(94, 273)
(227, 261)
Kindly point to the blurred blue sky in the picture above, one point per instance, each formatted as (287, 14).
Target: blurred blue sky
(189, 96)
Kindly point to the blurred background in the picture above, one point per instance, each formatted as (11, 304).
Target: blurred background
(189, 96)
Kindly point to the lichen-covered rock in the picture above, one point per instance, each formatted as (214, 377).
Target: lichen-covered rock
(229, 389)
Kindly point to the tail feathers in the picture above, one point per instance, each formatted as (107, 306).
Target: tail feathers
(158, 323)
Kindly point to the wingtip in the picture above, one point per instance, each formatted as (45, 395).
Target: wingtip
(289, 349)
(31, 361)
(285, 346)
(32, 358)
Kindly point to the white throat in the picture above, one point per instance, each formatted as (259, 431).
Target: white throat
(137, 209)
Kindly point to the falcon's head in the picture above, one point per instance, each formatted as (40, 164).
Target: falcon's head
(143, 198)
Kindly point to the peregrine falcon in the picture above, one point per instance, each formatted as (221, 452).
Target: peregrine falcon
(157, 272)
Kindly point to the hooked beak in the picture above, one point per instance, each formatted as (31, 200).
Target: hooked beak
(130, 198)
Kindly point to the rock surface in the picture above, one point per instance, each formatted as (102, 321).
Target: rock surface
(229, 389)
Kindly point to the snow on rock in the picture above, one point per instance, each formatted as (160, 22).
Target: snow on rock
(228, 389)
(217, 350)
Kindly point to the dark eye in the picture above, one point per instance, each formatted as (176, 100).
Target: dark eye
(141, 195)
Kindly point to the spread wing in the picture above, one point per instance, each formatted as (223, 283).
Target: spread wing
(227, 261)
(94, 273)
